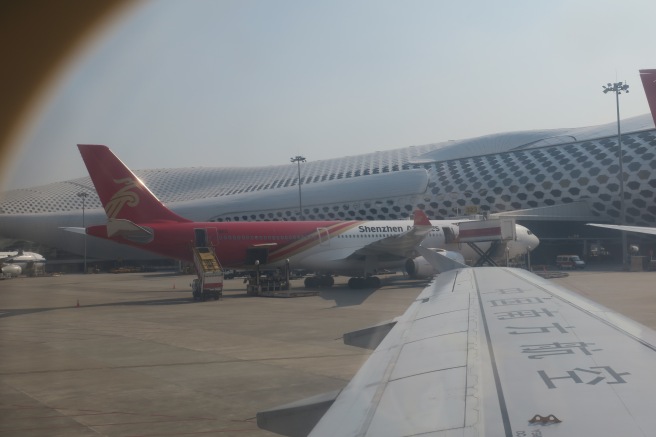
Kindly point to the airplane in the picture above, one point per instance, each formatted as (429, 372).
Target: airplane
(491, 351)
(16, 262)
(137, 218)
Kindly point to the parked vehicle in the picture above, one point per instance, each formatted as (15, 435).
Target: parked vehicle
(570, 262)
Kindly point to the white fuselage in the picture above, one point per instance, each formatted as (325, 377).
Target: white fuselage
(335, 254)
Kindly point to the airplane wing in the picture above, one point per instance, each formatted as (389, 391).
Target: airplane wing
(74, 229)
(6, 257)
(638, 229)
(398, 246)
(501, 352)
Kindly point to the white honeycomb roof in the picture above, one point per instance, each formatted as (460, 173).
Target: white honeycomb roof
(184, 184)
(178, 184)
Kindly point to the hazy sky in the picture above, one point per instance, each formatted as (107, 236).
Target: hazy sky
(246, 83)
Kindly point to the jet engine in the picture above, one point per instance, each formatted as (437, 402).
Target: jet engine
(11, 270)
(419, 268)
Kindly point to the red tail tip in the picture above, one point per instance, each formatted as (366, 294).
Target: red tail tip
(648, 78)
(421, 219)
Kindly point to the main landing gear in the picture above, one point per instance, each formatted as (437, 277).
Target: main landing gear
(319, 281)
(368, 282)
(353, 283)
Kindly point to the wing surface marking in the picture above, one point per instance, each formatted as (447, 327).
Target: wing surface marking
(554, 352)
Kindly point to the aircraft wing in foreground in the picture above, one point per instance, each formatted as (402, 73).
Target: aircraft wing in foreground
(497, 352)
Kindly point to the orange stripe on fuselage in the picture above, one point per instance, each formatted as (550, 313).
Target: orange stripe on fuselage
(311, 240)
(175, 239)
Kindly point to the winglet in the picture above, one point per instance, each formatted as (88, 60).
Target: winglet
(421, 219)
(439, 262)
(122, 194)
(648, 78)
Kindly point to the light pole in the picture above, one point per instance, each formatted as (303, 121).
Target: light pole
(84, 196)
(617, 88)
(298, 159)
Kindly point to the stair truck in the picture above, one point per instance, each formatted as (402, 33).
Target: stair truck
(209, 284)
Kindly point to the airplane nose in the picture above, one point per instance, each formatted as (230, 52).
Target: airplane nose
(534, 241)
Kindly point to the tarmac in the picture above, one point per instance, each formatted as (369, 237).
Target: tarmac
(133, 355)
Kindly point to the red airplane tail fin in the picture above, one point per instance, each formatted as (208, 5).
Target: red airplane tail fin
(421, 219)
(648, 78)
(122, 194)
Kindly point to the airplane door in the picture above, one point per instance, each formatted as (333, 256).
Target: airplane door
(200, 237)
(206, 237)
(449, 235)
(324, 236)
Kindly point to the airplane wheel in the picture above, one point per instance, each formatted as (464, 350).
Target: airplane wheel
(356, 283)
(310, 282)
(327, 281)
(373, 281)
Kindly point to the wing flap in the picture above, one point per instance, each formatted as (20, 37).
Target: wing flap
(431, 411)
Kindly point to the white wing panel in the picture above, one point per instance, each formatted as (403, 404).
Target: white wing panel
(423, 404)
(434, 327)
(446, 352)
(447, 323)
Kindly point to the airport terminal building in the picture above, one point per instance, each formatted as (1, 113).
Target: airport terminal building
(553, 181)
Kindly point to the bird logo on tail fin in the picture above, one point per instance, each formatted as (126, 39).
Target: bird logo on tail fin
(122, 197)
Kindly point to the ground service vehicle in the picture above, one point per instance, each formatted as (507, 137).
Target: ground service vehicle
(570, 262)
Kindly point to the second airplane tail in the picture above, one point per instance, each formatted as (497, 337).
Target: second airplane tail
(122, 194)
(648, 78)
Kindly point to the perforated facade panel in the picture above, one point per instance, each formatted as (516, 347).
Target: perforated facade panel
(533, 170)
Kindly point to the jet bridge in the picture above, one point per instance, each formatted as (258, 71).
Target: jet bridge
(498, 231)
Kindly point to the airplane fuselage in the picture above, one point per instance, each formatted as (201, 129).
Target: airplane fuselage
(319, 246)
